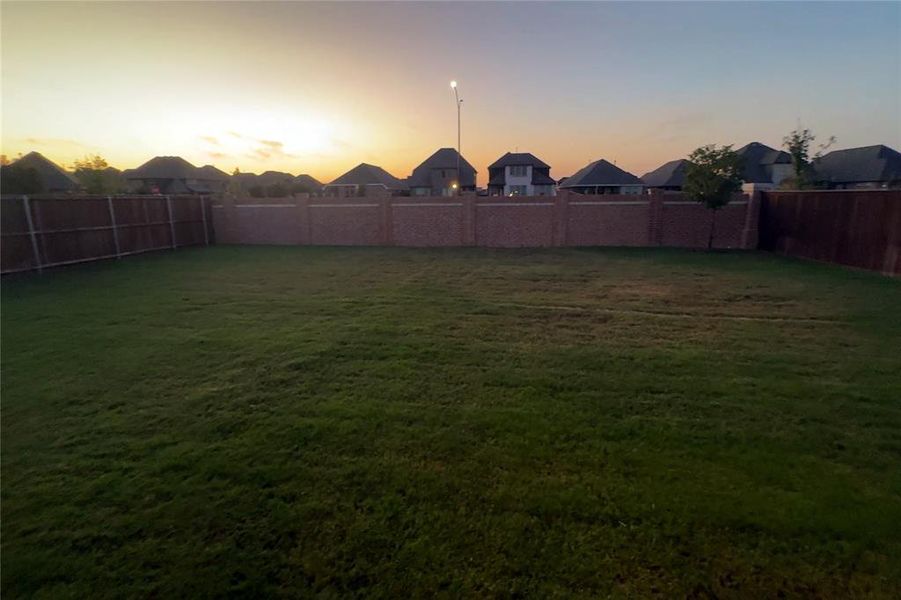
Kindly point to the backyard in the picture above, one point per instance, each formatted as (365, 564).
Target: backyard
(464, 422)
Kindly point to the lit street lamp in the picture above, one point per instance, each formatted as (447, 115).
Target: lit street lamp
(458, 102)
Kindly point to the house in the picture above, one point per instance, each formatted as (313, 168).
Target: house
(363, 179)
(763, 166)
(168, 175)
(306, 184)
(216, 179)
(602, 177)
(667, 177)
(520, 174)
(869, 167)
(53, 178)
(437, 175)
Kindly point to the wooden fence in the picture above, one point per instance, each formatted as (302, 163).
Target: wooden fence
(859, 228)
(39, 232)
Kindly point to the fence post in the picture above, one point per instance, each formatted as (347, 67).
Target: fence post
(206, 232)
(655, 218)
(112, 220)
(33, 235)
(750, 234)
(171, 223)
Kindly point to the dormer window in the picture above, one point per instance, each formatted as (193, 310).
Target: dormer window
(519, 170)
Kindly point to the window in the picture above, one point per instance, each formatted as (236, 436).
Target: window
(518, 190)
(519, 170)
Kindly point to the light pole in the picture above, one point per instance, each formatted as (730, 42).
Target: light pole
(458, 102)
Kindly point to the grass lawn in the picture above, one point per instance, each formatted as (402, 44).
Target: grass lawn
(468, 422)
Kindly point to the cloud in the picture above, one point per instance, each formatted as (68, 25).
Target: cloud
(210, 139)
(218, 154)
(53, 142)
(271, 149)
(235, 134)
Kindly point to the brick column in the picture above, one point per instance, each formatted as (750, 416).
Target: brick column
(561, 212)
(387, 221)
(750, 233)
(655, 218)
(469, 220)
(229, 219)
(302, 206)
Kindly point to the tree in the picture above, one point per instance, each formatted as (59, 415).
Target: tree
(276, 190)
(256, 191)
(20, 180)
(97, 177)
(711, 177)
(797, 143)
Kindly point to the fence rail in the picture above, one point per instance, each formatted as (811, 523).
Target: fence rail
(39, 232)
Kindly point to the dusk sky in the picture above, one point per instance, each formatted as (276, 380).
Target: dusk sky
(320, 87)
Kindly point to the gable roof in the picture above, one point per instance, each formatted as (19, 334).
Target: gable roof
(518, 158)
(164, 167)
(53, 177)
(307, 180)
(444, 158)
(211, 173)
(365, 174)
(756, 157)
(601, 172)
(670, 174)
(867, 163)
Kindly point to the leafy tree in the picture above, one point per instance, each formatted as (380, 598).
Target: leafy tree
(798, 143)
(711, 177)
(97, 177)
(276, 190)
(256, 191)
(20, 180)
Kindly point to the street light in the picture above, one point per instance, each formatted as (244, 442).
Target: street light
(458, 102)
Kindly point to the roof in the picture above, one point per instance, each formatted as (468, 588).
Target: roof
(756, 157)
(273, 177)
(304, 179)
(164, 167)
(601, 172)
(211, 173)
(365, 174)
(671, 174)
(53, 177)
(444, 158)
(518, 158)
(868, 163)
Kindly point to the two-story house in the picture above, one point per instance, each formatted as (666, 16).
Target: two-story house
(520, 174)
(437, 175)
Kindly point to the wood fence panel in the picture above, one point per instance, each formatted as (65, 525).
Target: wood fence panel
(859, 228)
(70, 229)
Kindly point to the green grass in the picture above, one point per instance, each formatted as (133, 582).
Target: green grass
(398, 422)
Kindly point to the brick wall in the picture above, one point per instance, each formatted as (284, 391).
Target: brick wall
(564, 220)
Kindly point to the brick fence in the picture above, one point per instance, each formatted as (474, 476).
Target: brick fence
(860, 228)
(38, 232)
(566, 220)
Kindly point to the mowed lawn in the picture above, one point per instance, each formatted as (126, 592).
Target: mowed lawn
(482, 423)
